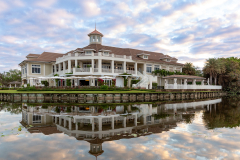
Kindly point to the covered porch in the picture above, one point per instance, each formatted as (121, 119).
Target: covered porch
(181, 82)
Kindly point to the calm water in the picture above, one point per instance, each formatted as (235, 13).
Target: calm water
(207, 129)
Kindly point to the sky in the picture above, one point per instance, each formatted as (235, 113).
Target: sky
(190, 30)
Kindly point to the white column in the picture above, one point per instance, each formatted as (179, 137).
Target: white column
(65, 122)
(59, 67)
(10, 86)
(112, 123)
(112, 65)
(92, 64)
(55, 119)
(194, 84)
(144, 119)
(55, 68)
(202, 83)
(124, 67)
(44, 69)
(100, 65)
(76, 63)
(76, 125)
(100, 123)
(166, 84)
(152, 120)
(64, 66)
(70, 123)
(150, 81)
(175, 83)
(93, 125)
(15, 85)
(144, 68)
(60, 121)
(185, 83)
(124, 122)
(135, 68)
(135, 120)
(69, 66)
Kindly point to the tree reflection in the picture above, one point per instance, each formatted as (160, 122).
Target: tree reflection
(225, 114)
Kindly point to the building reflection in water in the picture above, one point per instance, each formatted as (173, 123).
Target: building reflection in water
(97, 124)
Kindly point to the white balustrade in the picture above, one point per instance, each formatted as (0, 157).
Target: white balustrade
(107, 70)
(95, 69)
(82, 70)
(119, 56)
(118, 71)
(179, 86)
(130, 71)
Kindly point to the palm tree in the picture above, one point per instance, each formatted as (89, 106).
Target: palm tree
(189, 69)
(211, 68)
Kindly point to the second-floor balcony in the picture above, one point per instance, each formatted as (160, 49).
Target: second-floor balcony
(90, 70)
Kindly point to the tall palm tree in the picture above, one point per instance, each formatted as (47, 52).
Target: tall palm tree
(189, 69)
(211, 68)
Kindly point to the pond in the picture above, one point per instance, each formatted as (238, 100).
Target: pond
(202, 129)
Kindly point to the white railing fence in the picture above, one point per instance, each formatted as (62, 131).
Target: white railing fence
(179, 86)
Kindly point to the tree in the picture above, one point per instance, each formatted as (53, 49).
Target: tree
(211, 68)
(11, 75)
(189, 69)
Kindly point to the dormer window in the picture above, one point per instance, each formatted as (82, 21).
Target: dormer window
(88, 52)
(168, 60)
(105, 53)
(145, 57)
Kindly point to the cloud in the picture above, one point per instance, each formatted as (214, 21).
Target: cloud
(198, 29)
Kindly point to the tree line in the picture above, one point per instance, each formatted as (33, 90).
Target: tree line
(220, 71)
(10, 76)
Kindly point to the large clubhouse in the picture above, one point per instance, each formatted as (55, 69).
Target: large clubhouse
(84, 66)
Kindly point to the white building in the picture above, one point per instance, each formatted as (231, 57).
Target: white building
(98, 60)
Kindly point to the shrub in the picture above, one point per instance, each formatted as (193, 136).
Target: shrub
(154, 84)
(113, 82)
(45, 83)
(69, 82)
(100, 82)
(104, 87)
(69, 109)
(134, 81)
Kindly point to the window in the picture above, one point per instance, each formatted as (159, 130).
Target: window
(168, 60)
(105, 53)
(88, 52)
(23, 71)
(87, 65)
(98, 37)
(145, 57)
(156, 67)
(36, 118)
(149, 68)
(36, 69)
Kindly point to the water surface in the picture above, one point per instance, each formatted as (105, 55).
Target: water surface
(207, 129)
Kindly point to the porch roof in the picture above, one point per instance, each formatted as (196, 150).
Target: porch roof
(183, 77)
(15, 82)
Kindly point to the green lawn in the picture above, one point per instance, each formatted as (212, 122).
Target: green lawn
(88, 92)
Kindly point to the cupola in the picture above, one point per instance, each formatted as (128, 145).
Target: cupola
(95, 37)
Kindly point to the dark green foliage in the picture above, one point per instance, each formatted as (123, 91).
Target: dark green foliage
(104, 87)
(163, 72)
(10, 76)
(134, 81)
(57, 110)
(45, 83)
(69, 83)
(154, 84)
(69, 109)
